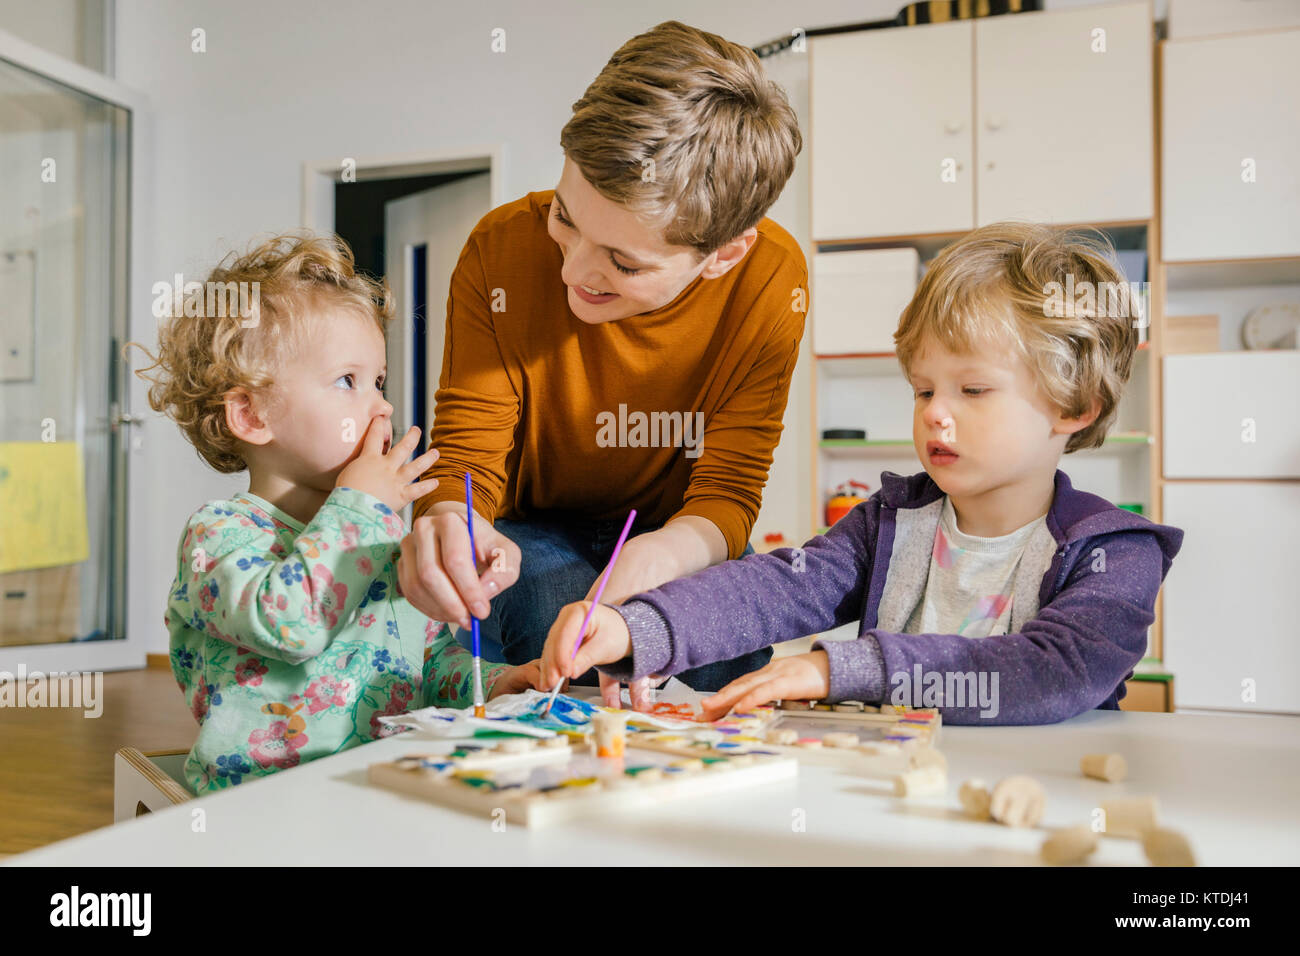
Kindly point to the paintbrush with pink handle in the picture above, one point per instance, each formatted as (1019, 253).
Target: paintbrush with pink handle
(600, 589)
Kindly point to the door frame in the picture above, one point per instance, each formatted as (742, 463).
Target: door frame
(130, 246)
(320, 176)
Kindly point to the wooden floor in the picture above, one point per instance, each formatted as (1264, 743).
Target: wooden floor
(56, 765)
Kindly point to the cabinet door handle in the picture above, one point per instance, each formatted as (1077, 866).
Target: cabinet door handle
(953, 126)
(994, 123)
(990, 164)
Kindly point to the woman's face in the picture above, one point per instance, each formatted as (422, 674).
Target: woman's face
(607, 249)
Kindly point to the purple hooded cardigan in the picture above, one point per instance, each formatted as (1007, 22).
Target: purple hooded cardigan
(1075, 654)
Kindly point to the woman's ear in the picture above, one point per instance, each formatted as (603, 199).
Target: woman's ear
(1068, 426)
(730, 254)
(244, 419)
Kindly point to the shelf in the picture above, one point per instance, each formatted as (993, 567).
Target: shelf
(1226, 273)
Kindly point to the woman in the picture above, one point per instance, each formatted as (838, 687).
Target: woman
(623, 341)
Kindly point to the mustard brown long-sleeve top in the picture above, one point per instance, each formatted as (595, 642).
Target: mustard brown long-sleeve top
(542, 408)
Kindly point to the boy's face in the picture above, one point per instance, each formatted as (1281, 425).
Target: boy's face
(325, 398)
(980, 420)
(588, 228)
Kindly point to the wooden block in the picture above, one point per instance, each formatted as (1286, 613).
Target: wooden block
(1109, 767)
(928, 757)
(783, 737)
(1167, 848)
(924, 780)
(1185, 334)
(1071, 845)
(975, 799)
(1129, 816)
(1018, 802)
(840, 740)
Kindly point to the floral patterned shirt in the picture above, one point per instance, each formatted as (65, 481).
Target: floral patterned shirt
(290, 641)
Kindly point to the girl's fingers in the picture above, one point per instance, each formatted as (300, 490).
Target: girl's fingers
(373, 442)
(418, 466)
(419, 489)
(401, 451)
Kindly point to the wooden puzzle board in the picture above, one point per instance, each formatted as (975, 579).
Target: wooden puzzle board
(876, 744)
(551, 781)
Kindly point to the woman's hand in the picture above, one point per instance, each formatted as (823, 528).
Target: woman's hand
(515, 680)
(605, 642)
(798, 677)
(388, 476)
(439, 579)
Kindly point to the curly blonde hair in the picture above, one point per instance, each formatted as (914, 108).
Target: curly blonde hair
(685, 130)
(1001, 285)
(204, 353)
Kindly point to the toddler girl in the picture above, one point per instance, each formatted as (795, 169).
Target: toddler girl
(289, 636)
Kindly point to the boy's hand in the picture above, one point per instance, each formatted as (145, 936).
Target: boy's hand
(798, 677)
(388, 475)
(606, 641)
(515, 680)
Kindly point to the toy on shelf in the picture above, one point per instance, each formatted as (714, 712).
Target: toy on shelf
(844, 498)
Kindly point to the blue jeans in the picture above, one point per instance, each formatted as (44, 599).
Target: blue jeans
(560, 562)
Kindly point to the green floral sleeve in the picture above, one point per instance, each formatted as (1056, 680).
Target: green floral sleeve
(449, 672)
(242, 586)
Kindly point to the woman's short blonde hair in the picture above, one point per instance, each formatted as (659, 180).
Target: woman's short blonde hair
(1055, 297)
(292, 281)
(684, 129)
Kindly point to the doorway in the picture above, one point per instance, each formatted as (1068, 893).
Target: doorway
(407, 221)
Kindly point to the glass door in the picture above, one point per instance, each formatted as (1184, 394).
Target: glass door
(65, 165)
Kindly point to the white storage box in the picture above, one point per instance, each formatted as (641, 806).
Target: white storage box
(857, 298)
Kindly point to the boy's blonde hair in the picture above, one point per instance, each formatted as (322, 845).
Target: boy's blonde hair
(684, 129)
(1006, 285)
(202, 356)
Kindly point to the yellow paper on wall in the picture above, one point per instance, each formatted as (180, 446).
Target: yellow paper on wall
(42, 505)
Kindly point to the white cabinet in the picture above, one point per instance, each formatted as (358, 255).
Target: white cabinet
(938, 128)
(1231, 601)
(889, 108)
(1232, 415)
(1231, 147)
(1064, 115)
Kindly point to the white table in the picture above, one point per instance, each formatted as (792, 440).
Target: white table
(1231, 784)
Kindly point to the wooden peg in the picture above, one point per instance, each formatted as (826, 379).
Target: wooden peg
(1070, 845)
(1167, 848)
(1109, 767)
(924, 780)
(975, 799)
(1129, 816)
(1018, 802)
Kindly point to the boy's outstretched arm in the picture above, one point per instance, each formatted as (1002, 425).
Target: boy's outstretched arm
(1069, 659)
(740, 606)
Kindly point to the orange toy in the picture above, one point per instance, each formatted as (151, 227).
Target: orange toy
(844, 499)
